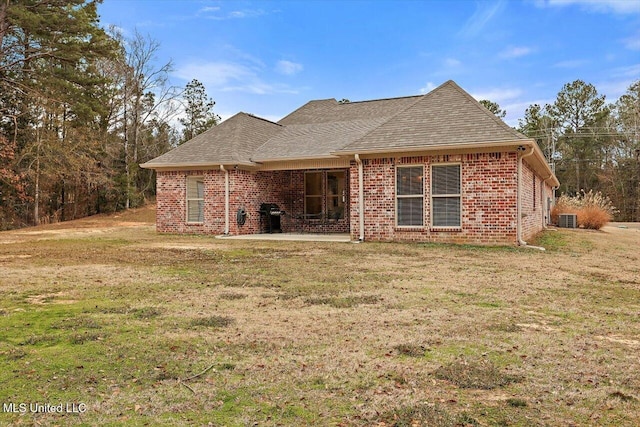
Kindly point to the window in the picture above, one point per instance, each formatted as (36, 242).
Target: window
(409, 196)
(445, 195)
(195, 199)
(324, 192)
(313, 193)
(335, 194)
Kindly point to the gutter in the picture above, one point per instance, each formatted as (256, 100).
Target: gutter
(360, 197)
(192, 165)
(432, 147)
(226, 200)
(523, 152)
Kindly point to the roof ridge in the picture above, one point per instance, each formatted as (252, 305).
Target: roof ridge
(381, 99)
(238, 131)
(304, 105)
(253, 116)
(484, 109)
(393, 116)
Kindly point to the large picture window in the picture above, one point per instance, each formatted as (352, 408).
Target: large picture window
(324, 193)
(445, 196)
(410, 196)
(195, 199)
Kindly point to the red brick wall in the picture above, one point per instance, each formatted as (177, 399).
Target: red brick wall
(533, 202)
(172, 202)
(247, 190)
(489, 188)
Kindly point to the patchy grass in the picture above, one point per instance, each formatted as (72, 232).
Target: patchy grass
(474, 373)
(212, 321)
(424, 415)
(343, 301)
(411, 350)
(150, 329)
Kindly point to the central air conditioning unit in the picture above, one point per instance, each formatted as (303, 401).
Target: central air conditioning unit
(568, 221)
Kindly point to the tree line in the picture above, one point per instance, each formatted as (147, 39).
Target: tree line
(592, 144)
(81, 106)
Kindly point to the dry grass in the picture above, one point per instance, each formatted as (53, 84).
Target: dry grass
(107, 312)
(593, 217)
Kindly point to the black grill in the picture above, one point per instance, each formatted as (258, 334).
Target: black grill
(270, 214)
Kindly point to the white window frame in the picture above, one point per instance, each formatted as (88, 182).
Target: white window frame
(193, 180)
(409, 196)
(437, 196)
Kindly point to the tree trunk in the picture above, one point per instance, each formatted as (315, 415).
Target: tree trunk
(4, 23)
(36, 198)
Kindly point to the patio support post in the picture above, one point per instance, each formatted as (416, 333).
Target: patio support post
(360, 197)
(226, 199)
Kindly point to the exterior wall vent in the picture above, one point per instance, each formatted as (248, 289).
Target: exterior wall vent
(568, 221)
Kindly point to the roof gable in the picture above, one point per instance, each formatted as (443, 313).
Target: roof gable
(445, 116)
(319, 128)
(231, 142)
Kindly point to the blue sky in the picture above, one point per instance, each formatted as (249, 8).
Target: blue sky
(270, 57)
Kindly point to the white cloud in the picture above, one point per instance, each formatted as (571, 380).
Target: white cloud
(633, 42)
(485, 11)
(217, 14)
(571, 63)
(614, 89)
(231, 77)
(632, 71)
(498, 95)
(515, 52)
(428, 88)
(288, 68)
(600, 6)
(452, 62)
(216, 73)
(209, 9)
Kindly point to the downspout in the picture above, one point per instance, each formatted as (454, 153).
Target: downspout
(523, 152)
(226, 200)
(360, 197)
(546, 206)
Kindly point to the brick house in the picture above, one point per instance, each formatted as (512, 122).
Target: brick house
(437, 167)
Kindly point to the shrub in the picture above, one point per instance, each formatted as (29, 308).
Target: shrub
(593, 217)
(592, 209)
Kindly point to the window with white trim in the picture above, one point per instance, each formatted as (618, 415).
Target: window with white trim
(445, 196)
(195, 199)
(410, 196)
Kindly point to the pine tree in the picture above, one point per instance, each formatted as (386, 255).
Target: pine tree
(198, 111)
(494, 108)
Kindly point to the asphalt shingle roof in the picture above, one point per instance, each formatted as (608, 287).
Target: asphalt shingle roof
(326, 128)
(231, 142)
(445, 116)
